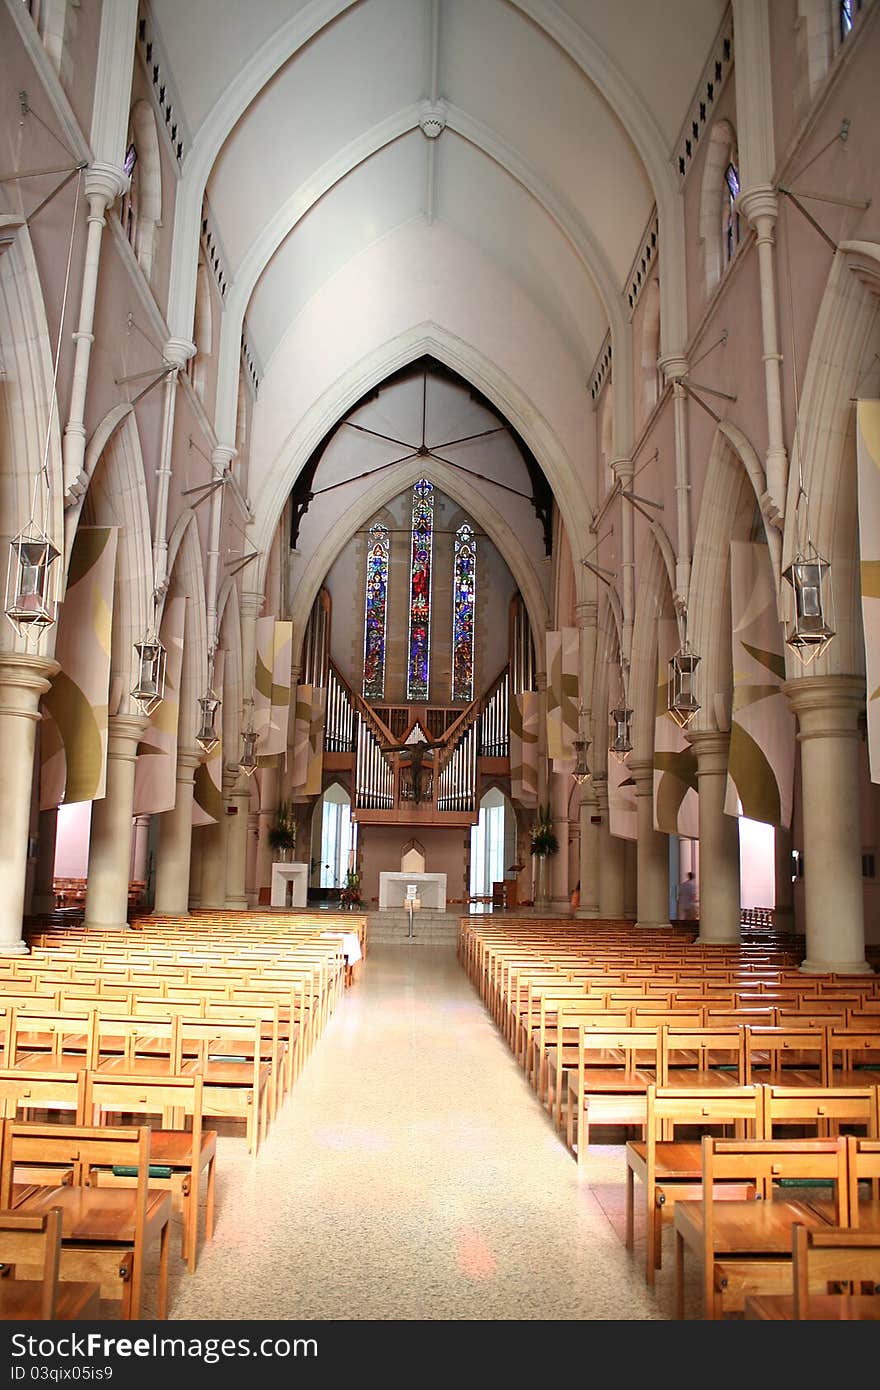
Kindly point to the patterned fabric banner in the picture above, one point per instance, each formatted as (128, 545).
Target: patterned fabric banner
(272, 685)
(73, 738)
(316, 741)
(562, 697)
(622, 813)
(868, 455)
(302, 730)
(155, 773)
(676, 805)
(208, 781)
(760, 776)
(524, 748)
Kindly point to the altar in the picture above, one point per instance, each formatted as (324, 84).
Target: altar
(290, 885)
(430, 890)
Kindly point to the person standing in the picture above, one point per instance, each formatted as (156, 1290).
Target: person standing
(688, 902)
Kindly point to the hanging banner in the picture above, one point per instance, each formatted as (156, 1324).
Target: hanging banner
(524, 748)
(676, 805)
(272, 685)
(562, 697)
(302, 730)
(155, 773)
(208, 781)
(868, 456)
(760, 775)
(316, 741)
(73, 738)
(622, 814)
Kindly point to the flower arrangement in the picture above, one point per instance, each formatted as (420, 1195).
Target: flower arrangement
(282, 831)
(544, 839)
(350, 892)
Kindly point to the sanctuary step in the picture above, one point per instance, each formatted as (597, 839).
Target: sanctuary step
(429, 928)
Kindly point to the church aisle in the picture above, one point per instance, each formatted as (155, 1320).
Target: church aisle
(413, 1175)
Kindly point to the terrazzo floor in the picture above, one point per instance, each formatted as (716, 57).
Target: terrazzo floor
(412, 1174)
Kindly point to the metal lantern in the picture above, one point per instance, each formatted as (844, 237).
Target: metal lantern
(31, 557)
(621, 740)
(683, 703)
(248, 761)
(207, 737)
(149, 688)
(581, 771)
(810, 633)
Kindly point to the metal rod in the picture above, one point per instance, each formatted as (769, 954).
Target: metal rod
(139, 376)
(699, 400)
(54, 194)
(826, 197)
(710, 390)
(39, 173)
(812, 221)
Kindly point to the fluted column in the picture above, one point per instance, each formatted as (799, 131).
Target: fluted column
(653, 853)
(110, 838)
(828, 710)
(250, 863)
(237, 795)
(611, 851)
(719, 886)
(268, 806)
(23, 680)
(174, 850)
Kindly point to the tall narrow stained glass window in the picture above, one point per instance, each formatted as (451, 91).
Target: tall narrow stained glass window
(464, 596)
(375, 610)
(417, 681)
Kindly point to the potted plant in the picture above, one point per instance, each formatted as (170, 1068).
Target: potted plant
(282, 831)
(350, 892)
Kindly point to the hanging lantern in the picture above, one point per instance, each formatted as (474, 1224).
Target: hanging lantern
(248, 761)
(683, 703)
(581, 771)
(207, 737)
(621, 739)
(28, 603)
(149, 688)
(810, 633)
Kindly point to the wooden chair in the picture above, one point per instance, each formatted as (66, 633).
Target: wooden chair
(823, 1259)
(670, 1166)
(863, 1159)
(789, 1056)
(745, 1246)
(615, 1068)
(105, 1234)
(703, 1056)
(237, 1081)
(178, 1156)
(854, 1055)
(33, 1242)
(821, 1109)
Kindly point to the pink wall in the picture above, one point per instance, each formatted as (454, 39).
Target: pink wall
(72, 840)
(380, 848)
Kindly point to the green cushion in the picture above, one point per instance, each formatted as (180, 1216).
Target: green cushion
(227, 1057)
(806, 1182)
(157, 1170)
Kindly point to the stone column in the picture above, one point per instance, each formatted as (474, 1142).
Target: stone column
(237, 795)
(250, 866)
(174, 850)
(195, 866)
(269, 777)
(560, 894)
(589, 860)
(44, 878)
(611, 858)
(828, 710)
(213, 889)
(110, 839)
(23, 680)
(719, 886)
(140, 847)
(653, 853)
(630, 879)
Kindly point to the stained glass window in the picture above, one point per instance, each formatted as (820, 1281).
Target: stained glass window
(420, 591)
(464, 593)
(731, 216)
(374, 615)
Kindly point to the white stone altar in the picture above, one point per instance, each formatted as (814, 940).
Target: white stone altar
(431, 890)
(290, 885)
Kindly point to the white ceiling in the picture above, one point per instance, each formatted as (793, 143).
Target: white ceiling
(534, 168)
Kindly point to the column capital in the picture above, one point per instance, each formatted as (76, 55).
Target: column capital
(105, 183)
(827, 706)
(673, 366)
(188, 759)
(176, 352)
(222, 455)
(250, 602)
(712, 747)
(642, 770)
(587, 613)
(124, 733)
(23, 679)
(541, 680)
(758, 204)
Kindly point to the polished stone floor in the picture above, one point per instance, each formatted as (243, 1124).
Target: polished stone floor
(412, 1174)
